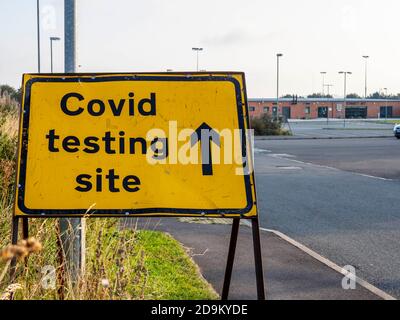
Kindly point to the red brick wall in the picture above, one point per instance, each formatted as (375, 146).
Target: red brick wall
(298, 110)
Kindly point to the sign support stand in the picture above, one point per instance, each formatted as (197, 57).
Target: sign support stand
(257, 259)
(14, 238)
(229, 265)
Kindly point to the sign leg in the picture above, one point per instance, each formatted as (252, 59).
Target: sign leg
(73, 240)
(258, 259)
(14, 240)
(61, 268)
(25, 228)
(25, 234)
(231, 257)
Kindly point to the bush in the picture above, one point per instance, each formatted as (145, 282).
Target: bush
(267, 126)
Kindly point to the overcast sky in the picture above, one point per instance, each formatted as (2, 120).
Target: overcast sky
(237, 35)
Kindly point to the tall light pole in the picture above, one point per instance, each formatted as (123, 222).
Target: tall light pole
(366, 73)
(328, 86)
(386, 103)
(72, 229)
(345, 73)
(51, 51)
(323, 73)
(197, 55)
(38, 32)
(278, 56)
(327, 99)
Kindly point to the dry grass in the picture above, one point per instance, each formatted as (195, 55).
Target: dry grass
(10, 125)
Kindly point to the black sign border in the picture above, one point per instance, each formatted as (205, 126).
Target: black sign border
(147, 212)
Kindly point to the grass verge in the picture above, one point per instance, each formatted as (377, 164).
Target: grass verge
(175, 275)
(389, 121)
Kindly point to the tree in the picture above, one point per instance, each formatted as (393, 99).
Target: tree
(379, 95)
(375, 95)
(17, 96)
(5, 88)
(353, 96)
(319, 95)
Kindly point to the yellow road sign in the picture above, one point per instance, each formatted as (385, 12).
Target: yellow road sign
(169, 144)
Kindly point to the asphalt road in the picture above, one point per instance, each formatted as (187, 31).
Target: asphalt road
(341, 212)
(378, 157)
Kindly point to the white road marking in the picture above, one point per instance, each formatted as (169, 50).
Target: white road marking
(288, 168)
(380, 293)
(282, 155)
(257, 150)
(375, 177)
(288, 157)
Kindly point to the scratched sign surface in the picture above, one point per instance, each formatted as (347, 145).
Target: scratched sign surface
(171, 144)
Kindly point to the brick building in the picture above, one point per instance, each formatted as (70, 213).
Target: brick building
(313, 108)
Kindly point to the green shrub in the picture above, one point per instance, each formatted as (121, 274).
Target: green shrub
(267, 126)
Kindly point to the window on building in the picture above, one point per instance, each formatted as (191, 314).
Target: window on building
(266, 109)
(252, 109)
(307, 110)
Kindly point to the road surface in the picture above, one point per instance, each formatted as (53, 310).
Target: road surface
(338, 197)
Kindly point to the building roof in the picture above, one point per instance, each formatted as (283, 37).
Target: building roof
(321, 100)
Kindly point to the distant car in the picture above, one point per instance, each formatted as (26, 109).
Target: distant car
(396, 131)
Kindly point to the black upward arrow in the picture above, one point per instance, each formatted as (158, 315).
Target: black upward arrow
(204, 135)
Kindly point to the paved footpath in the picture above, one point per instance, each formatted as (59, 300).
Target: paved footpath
(334, 129)
(290, 273)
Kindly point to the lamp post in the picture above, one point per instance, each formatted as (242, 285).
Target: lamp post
(386, 103)
(72, 230)
(51, 51)
(328, 86)
(323, 73)
(197, 54)
(278, 56)
(327, 99)
(365, 78)
(345, 73)
(38, 33)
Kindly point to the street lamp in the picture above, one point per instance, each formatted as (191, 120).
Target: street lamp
(197, 53)
(51, 51)
(386, 103)
(38, 32)
(327, 99)
(278, 55)
(345, 73)
(328, 86)
(323, 73)
(365, 70)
